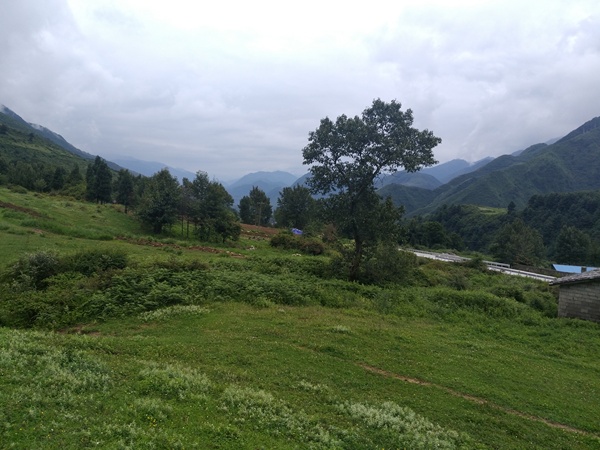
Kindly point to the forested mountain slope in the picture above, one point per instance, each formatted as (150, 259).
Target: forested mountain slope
(571, 164)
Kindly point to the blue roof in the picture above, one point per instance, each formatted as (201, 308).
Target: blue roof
(572, 269)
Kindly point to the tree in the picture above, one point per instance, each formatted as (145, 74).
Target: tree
(572, 246)
(517, 243)
(348, 155)
(210, 207)
(74, 177)
(58, 178)
(255, 208)
(295, 207)
(160, 201)
(99, 181)
(125, 193)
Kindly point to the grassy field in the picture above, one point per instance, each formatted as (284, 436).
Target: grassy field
(191, 346)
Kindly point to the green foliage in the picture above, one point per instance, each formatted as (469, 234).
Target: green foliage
(209, 208)
(296, 207)
(289, 241)
(125, 189)
(160, 201)
(388, 265)
(90, 262)
(518, 243)
(98, 180)
(255, 208)
(347, 156)
(32, 270)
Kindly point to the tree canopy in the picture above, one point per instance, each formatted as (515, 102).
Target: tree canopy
(295, 207)
(255, 208)
(160, 201)
(348, 155)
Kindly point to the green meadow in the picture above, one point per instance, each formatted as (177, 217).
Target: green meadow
(112, 338)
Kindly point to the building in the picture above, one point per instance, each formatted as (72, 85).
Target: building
(579, 295)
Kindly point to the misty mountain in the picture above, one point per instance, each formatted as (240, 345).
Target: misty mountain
(570, 164)
(413, 179)
(270, 182)
(12, 119)
(149, 168)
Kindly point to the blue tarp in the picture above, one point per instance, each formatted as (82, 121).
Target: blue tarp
(296, 231)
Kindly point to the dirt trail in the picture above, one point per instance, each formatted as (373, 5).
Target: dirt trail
(477, 400)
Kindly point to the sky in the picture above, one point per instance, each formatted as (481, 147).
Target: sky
(235, 87)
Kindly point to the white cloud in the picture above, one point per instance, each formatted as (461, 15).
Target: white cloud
(235, 87)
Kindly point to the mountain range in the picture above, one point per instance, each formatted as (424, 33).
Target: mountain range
(571, 163)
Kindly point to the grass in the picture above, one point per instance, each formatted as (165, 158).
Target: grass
(257, 348)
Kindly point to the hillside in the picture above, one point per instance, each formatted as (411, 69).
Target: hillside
(168, 343)
(570, 164)
(16, 122)
(270, 182)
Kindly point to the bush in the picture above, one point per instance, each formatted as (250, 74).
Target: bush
(288, 241)
(388, 265)
(91, 262)
(32, 270)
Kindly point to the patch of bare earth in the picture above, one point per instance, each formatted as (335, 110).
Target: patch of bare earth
(22, 209)
(150, 243)
(474, 399)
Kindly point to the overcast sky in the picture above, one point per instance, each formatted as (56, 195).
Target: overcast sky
(235, 87)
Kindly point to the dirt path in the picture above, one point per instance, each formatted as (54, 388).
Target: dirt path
(22, 209)
(477, 400)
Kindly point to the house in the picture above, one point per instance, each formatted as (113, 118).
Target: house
(579, 295)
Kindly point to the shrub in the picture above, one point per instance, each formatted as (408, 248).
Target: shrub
(389, 265)
(32, 270)
(90, 262)
(288, 241)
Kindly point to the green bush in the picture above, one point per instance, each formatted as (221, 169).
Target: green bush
(90, 262)
(32, 270)
(388, 265)
(288, 241)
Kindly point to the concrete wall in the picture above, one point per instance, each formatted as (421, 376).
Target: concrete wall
(580, 300)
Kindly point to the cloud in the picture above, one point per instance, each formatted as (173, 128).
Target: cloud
(235, 87)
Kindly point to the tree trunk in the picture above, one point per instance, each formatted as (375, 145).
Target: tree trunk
(356, 259)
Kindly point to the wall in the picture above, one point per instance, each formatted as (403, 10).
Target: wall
(580, 300)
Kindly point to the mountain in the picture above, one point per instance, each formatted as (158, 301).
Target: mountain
(435, 176)
(149, 168)
(269, 182)
(416, 179)
(570, 164)
(13, 120)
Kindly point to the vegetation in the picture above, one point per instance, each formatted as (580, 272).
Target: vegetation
(255, 208)
(111, 338)
(296, 208)
(346, 157)
(164, 344)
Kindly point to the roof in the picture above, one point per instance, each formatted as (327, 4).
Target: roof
(571, 269)
(591, 275)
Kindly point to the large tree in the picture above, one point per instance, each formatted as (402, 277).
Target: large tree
(255, 208)
(125, 189)
(348, 155)
(211, 209)
(295, 207)
(160, 201)
(99, 181)
(516, 243)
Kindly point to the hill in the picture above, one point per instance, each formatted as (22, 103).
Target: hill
(570, 164)
(13, 120)
(165, 343)
(269, 182)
